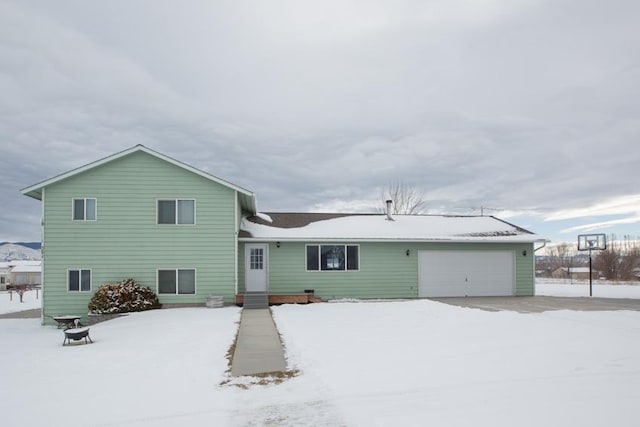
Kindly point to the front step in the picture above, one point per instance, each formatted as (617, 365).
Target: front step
(255, 300)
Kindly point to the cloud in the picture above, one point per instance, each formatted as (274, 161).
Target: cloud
(524, 108)
(615, 206)
(602, 225)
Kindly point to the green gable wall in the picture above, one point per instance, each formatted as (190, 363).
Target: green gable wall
(385, 269)
(125, 241)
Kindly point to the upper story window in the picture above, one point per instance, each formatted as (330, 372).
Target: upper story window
(84, 209)
(332, 257)
(177, 211)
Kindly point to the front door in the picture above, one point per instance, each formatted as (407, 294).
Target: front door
(255, 267)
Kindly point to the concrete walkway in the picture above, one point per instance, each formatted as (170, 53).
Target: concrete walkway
(258, 347)
(24, 314)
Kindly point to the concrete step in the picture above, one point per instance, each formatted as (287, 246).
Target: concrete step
(256, 300)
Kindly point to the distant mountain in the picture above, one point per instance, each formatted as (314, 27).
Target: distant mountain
(15, 251)
(32, 245)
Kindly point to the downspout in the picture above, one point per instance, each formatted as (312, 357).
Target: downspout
(42, 250)
(235, 246)
(544, 243)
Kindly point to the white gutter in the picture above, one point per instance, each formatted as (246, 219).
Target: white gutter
(378, 240)
(544, 243)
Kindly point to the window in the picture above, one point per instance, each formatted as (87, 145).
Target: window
(79, 281)
(84, 209)
(256, 259)
(177, 281)
(332, 257)
(177, 211)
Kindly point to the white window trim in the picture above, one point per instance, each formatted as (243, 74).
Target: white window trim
(84, 214)
(176, 199)
(80, 270)
(320, 270)
(195, 284)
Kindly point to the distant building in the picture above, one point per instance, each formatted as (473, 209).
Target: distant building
(20, 272)
(574, 273)
(4, 275)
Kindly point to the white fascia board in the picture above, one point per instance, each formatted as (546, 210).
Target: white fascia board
(374, 240)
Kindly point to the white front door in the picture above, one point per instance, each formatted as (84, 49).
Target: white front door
(255, 267)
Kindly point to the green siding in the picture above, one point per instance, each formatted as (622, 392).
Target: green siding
(385, 270)
(125, 241)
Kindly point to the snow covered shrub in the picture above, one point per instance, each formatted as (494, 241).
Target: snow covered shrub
(123, 297)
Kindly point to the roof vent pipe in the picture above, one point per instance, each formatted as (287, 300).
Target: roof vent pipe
(389, 217)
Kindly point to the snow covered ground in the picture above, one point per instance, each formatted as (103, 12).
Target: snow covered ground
(408, 363)
(11, 303)
(580, 288)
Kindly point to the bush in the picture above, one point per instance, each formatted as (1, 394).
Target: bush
(123, 297)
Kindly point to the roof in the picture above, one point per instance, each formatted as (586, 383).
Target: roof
(26, 269)
(578, 270)
(24, 262)
(247, 198)
(376, 227)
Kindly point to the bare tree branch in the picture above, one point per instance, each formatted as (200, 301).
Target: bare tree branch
(406, 200)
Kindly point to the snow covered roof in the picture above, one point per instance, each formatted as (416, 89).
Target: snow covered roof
(26, 269)
(25, 262)
(577, 269)
(376, 227)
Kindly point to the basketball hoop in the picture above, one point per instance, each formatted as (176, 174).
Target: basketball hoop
(591, 242)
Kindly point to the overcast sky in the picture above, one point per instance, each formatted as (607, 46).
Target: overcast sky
(530, 109)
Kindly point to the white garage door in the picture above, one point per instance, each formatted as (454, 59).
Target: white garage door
(465, 273)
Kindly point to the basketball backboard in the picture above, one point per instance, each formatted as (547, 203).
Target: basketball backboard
(592, 242)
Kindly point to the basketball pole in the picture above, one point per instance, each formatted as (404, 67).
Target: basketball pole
(590, 276)
(591, 242)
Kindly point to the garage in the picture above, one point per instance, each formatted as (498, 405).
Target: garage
(465, 273)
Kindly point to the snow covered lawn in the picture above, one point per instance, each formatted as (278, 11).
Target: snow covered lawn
(361, 364)
(160, 367)
(11, 303)
(601, 289)
(426, 363)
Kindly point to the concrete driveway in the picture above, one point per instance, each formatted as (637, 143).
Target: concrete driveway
(24, 314)
(539, 304)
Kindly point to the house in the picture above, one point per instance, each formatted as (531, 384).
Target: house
(4, 275)
(573, 273)
(25, 273)
(383, 256)
(19, 272)
(189, 235)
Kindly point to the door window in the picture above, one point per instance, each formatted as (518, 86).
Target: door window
(256, 259)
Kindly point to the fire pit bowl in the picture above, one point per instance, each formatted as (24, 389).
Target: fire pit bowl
(77, 334)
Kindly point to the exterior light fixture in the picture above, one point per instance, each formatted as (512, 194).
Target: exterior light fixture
(524, 253)
(408, 252)
(278, 244)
